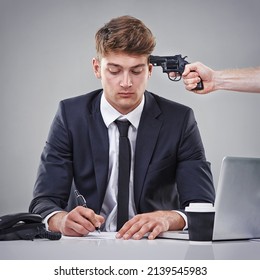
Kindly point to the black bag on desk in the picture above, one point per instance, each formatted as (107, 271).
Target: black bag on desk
(25, 226)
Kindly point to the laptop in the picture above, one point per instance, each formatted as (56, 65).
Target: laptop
(237, 203)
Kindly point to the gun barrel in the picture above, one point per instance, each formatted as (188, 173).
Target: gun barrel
(157, 60)
(168, 63)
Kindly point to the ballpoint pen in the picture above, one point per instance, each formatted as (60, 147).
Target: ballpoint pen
(82, 202)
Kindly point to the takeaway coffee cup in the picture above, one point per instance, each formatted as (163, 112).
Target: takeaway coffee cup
(200, 221)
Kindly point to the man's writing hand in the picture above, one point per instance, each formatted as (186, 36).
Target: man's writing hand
(78, 222)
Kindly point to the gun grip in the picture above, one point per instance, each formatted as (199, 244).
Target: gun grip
(199, 86)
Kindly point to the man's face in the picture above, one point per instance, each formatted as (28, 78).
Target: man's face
(124, 79)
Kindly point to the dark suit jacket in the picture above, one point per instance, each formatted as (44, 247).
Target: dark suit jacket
(170, 168)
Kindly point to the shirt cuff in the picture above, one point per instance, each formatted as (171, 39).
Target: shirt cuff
(46, 219)
(184, 217)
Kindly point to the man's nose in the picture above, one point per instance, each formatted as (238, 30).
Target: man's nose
(126, 81)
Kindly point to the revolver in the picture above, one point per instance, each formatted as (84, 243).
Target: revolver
(174, 64)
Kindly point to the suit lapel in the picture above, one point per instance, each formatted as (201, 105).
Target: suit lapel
(148, 132)
(100, 148)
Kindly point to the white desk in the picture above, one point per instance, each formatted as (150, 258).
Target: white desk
(113, 249)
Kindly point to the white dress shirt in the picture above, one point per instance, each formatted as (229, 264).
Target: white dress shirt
(110, 114)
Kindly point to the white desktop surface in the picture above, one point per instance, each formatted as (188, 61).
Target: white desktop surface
(108, 248)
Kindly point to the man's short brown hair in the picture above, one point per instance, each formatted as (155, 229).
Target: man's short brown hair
(124, 34)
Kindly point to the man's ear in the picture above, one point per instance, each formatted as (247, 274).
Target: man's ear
(150, 67)
(96, 67)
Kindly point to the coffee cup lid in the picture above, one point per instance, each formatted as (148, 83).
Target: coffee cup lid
(200, 207)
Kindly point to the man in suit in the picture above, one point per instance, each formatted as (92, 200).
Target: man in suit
(168, 167)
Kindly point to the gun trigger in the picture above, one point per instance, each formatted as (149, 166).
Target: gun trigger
(176, 78)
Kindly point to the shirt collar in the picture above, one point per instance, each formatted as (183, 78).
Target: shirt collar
(110, 114)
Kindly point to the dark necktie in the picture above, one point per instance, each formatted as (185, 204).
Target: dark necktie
(123, 173)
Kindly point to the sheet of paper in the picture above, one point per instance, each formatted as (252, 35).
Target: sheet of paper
(94, 236)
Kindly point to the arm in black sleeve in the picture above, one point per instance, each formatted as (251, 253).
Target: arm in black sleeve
(55, 173)
(194, 177)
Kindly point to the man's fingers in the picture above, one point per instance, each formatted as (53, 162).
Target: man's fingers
(192, 67)
(143, 224)
(89, 215)
(156, 231)
(82, 220)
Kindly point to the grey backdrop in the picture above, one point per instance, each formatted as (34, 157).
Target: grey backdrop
(46, 48)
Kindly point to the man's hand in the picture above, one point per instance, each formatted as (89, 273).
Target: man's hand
(153, 223)
(196, 72)
(78, 222)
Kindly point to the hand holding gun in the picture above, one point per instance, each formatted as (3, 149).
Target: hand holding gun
(174, 64)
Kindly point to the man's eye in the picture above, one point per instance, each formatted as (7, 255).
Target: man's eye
(114, 71)
(137, 71)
